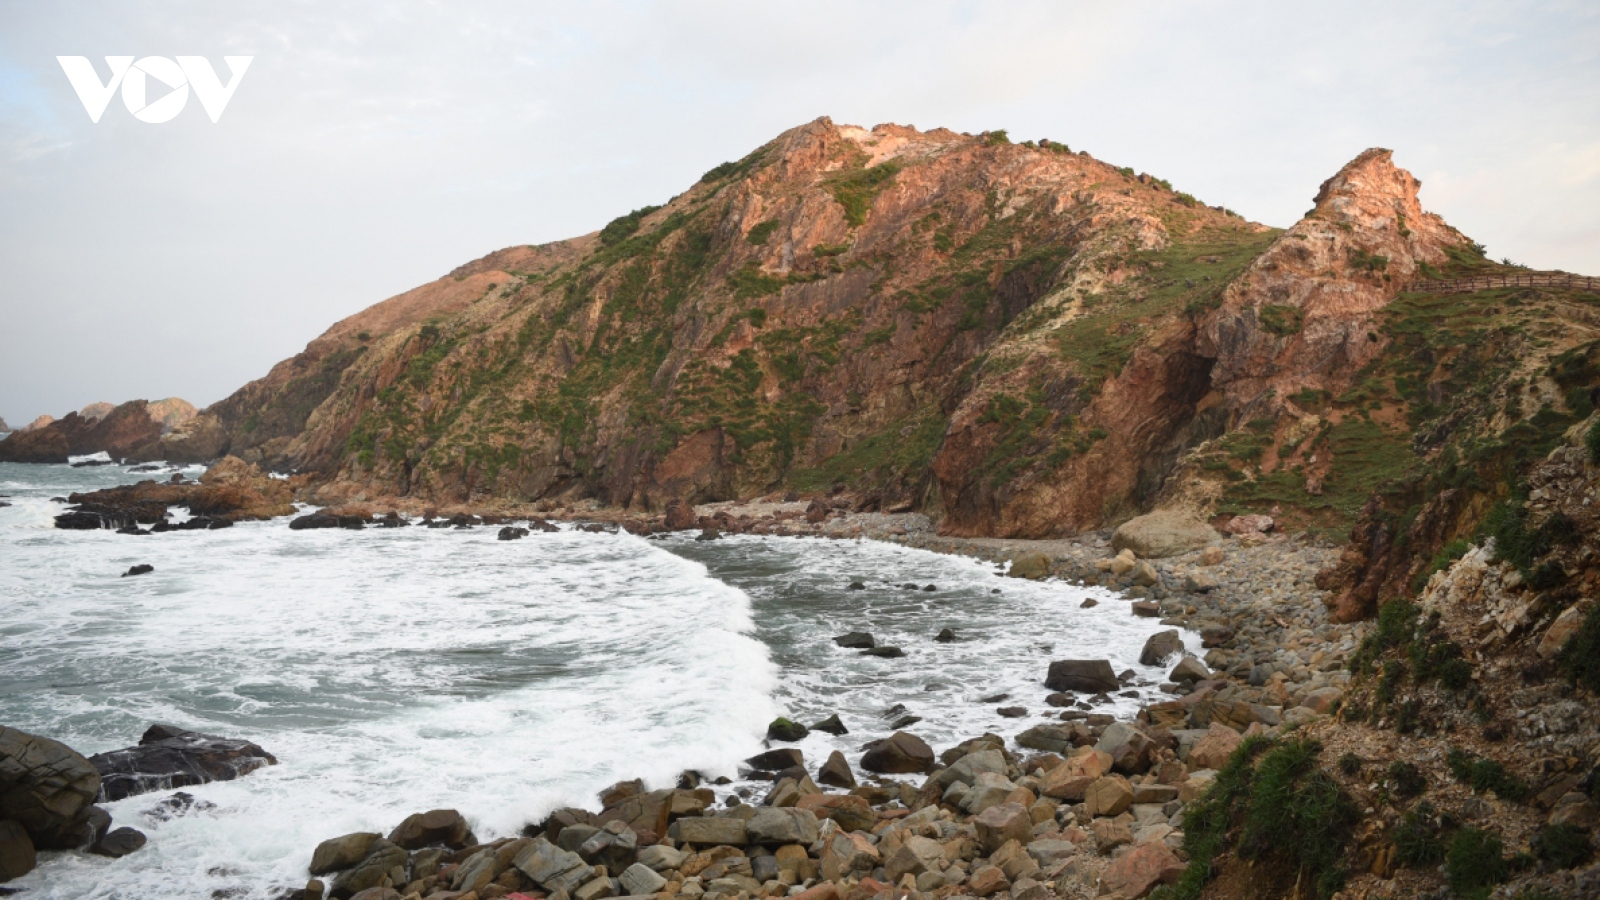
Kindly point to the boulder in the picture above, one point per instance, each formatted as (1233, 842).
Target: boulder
(945, 636)
(661, 858)
(1561, 630)
(831, 725)
(850, 812)
(375, 893)
(1144, 574)
(1189, 670)
(551, 867)
(1160, 647)
(775, 826)
(1163, 533)
(647, 814)
(900, 753)
(1127, 745)
(512, 533)
(1032, 566)
(17, 856)
(915, 856)
(1006, 822)
(1139, 871)
(848, 854)
(1213, 750)
(987, 881)
(438, 826)
(339, 853)
(817, 511)
(118, 843)
(782, 729)
(371, 870)
(856, 640)
(639, 880)
(836, 772)
(712, 830)
(1252, 524)
(776, 760)
(1109, 795)
(47, 788)
(1088, 676)
(679, 516)
(167, 758)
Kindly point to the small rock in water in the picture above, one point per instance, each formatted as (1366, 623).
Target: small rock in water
(930, 588)
(905, 722)
(181, 803)
(831, 725)
(1089, 603)
(512, 533)
(856, 640)
(997, 698)
(945, 636)
(709, 534)
(140, 569)
(119, 843)
(1012, 712)
(885, 652)
(856, 586)
(783, 729)
(910, 587)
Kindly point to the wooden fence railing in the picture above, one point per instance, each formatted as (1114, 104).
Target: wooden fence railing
(1492, 282)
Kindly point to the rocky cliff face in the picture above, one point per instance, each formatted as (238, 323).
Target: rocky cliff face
(1018, 339)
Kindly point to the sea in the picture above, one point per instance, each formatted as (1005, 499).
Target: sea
(393, 671)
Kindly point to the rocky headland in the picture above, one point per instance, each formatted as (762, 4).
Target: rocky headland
(1355, 456)
(118, 431)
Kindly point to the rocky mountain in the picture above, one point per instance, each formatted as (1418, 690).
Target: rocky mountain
(3, 425)
(1018, 339)
(122, 431)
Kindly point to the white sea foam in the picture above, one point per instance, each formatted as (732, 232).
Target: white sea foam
(394, 671)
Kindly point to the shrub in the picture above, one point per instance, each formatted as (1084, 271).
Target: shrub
(1548, 574)
(1416, 838)
(1368, 262)
(758, 234)
(1455, 673)
(855, 189)
(1562, 846)
(1475, 862)
(1580, 658)
(1350, 764)
(623, 227)
(1591, 440)
(1485, 775)
(996, 138)
(1407, 779)
(1282, 321)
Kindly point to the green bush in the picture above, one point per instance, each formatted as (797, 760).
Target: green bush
(1485, 775)
(1416, 838)
(1407, 779)
(758, 234)
(1591, 440)
(996, 138)
(1284, 807)
(1476, 863)
(1548, 574)
(1350, 764)
(1562, 846)
(623, 227)
(855, 189)
(1580, 658)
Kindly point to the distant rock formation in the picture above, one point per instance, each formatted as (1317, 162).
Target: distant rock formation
(117, 432)
(3, 425)
(39, 423)
(96, 411)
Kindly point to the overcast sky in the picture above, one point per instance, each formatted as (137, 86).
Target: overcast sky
(372, 147)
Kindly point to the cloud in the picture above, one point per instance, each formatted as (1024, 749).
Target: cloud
(375, 146)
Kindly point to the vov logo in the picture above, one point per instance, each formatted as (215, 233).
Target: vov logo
(134, 78)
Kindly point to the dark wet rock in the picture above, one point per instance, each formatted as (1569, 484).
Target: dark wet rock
(47, 788)
(438, 826)
(856, 586)
(392, 520)
(708, 534)
(782, 729)
(900, 753)
(836, 772)
(371, 871)
(512, 533)
(140, 569)
(179, 804)
(776, 760)
(95, 828)
(930, 588)
(132, 529)
(817, 511)
(679, 516)
(856, 640)
(1012, 712)
(886, 652)
(831, 725)
(537, 524)
(1148, 609)
(326, 520)
(17, 855)
(1059, 699)
(202, 523)
(119, 843)
(168, 758)
(1160, 647)
(1086, 676)
(995, 698)
(945, 636)
(1089, 603)
(905, 722)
